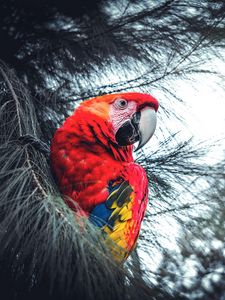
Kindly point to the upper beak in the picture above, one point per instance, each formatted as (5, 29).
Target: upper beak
(146, 126)
(139, 128)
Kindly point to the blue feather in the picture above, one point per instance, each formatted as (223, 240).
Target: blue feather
(101, 213)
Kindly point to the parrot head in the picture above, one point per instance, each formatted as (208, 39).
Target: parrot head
(125, 118)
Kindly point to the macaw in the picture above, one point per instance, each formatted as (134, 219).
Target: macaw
(91, 157)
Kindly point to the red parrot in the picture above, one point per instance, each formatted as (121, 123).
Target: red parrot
(91, 156)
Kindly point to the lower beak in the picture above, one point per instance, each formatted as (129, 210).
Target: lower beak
(140, 128)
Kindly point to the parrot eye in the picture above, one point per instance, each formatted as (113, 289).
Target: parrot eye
(121, 103)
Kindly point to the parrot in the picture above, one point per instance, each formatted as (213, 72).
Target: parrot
(91, 157)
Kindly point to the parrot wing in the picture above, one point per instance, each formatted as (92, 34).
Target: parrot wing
(119, 217)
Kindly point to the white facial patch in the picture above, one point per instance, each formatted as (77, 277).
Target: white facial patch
(119, 116)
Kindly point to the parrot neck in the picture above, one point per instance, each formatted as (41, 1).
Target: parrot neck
(97, 137)
(122, 153)
(104, 148)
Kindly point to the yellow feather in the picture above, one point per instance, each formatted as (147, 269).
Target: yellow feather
(126, 216)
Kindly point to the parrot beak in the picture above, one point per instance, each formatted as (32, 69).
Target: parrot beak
(140, 128)
(147, 125)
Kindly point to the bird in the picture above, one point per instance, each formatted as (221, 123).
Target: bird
(92, 159)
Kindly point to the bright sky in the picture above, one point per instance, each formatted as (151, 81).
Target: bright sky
(205, 108)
